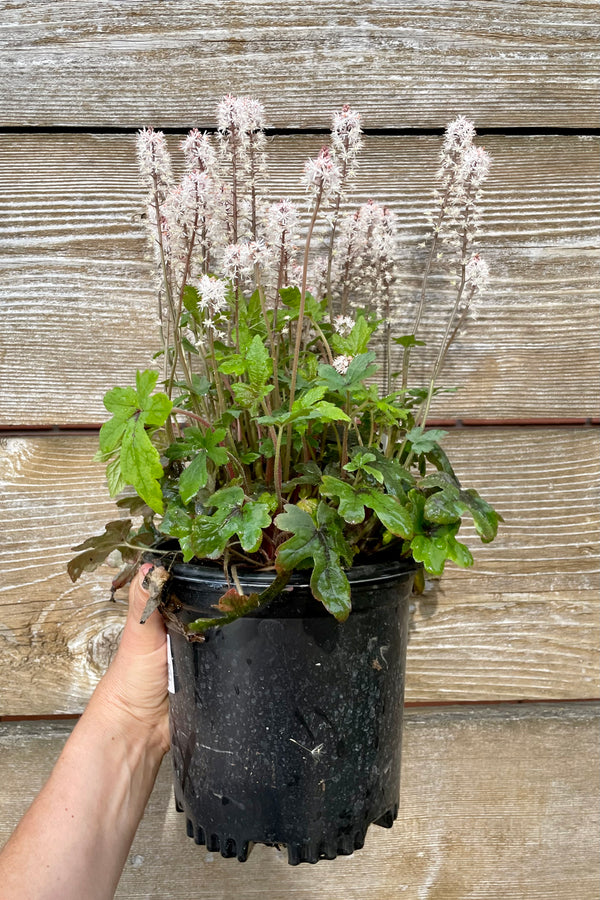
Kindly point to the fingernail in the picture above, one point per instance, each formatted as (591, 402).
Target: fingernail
(145, 571)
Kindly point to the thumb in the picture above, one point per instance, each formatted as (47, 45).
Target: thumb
(151, 634)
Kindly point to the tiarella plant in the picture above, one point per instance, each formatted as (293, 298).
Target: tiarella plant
(282, 437)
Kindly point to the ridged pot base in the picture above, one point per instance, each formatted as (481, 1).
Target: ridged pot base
(344, 845)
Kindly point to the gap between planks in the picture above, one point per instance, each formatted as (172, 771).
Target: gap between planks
(413, 705)
(499, 131)
(75, 429)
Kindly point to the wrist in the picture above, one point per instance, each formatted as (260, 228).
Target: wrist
(144, 732)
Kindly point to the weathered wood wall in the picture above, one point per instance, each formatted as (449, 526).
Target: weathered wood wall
(499, 800)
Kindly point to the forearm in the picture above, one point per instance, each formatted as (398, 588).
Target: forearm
(74, 840)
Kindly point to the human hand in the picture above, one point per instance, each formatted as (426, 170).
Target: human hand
(134, 688)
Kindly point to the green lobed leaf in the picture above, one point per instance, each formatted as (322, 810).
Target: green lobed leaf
(140, 464)
(361, 460)
(250, 396)
(178, 523)
(451, 503)
(195, 439)
(121, 402)
(327, 412)
(194, 477)
(249, 457)
(145, 382)
(433, 550)
(255, 516)
(357, 341)
(331, 377)
(408, 340)
(207, 536)
(114, 477)
(226, 498)
(307, 398)
(438, 457)
(396, 478)
(425, 441)
(353, 500)
(259, 364)
(392, 515)
(156, 409)
(111, 434)
(322, 544)
(360, 368)
(233, 365)
(138, 461)
(312, 308)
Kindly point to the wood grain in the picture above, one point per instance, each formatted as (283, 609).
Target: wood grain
(78, 306)
(404, 64)
(496, 804)
(523, 624)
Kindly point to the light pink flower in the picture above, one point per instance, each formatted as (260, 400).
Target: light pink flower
(346, 134)
(154, 162)
(343, 325)
(475, 167)
(364, 266)
(459, 135)
(240, 114)
(322, 176)
(341, 364)
(213, 295)
(477, 273)
(281, 224)
(240, 259)
(198, 152)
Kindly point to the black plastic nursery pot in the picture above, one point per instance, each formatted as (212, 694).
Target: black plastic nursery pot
(286, 724)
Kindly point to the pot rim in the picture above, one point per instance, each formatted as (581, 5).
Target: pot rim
(366, 573)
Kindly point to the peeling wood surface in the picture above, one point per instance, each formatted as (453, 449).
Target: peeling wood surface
(74, 272)
(523, 624)
(520, 820)
(412, 64)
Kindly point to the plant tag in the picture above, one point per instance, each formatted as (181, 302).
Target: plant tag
(170, 670)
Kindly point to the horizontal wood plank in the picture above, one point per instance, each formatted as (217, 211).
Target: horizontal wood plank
(496, 804)
(78, 304)
(522, 624)
(410, 64)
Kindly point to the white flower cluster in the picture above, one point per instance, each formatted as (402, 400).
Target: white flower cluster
(464, 167)
(281, 227)
(364, 266)
(239, 260)
(477, 273)
(198, 152)
(343, 325)
(346, 139)
(322, 176)
(239, 117)
(241, 122)
(342, 363)
(213, 295)
(154, 163)
(213, 221)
